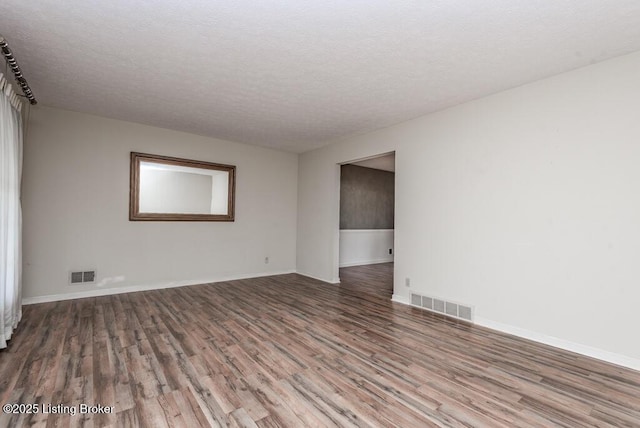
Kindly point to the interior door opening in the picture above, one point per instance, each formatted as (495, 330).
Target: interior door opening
(367, 225)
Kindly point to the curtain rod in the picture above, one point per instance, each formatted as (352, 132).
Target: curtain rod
(13, 64)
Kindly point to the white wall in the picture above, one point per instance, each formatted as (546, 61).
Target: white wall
(525, 204)
(365, 246)
(76, 202)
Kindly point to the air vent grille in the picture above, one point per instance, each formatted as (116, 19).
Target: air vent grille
(427, 302)
(416, 299)
(443, 307)
(451, 309)
(464, 312)
(82, 276)
(76, 277)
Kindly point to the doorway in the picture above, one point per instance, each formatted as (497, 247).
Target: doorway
(366, 248)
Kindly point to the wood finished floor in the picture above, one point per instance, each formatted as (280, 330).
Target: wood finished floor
(367, 280)
(292, 351)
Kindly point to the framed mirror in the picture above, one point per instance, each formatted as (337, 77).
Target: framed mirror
(164, 188)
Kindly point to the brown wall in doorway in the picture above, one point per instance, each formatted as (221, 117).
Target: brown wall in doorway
(366, 198)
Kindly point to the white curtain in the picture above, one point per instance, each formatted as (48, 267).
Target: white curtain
(10, 212)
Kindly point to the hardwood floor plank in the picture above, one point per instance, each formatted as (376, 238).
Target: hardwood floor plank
(249, 401)
(314, 406)
(242, 418)
(278, 410)
(287, 398)
(290, 351)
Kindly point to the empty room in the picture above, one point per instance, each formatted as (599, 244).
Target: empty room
(341, 213)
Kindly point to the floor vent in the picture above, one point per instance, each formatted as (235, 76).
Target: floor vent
(444, 307)
(82, 277)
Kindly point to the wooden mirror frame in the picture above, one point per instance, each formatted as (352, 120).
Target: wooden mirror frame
(134, 189)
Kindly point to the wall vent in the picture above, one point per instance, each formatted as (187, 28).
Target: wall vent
(465, 312)
(427, 302)
(451, 309)
(76, 277)
(82, 276)
(444, 307)
(416, 299)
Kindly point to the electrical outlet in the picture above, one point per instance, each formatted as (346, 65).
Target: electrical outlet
(266, 260)
(407, 282)
(390, 250)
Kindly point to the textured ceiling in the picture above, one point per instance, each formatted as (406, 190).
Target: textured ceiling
(294, 74)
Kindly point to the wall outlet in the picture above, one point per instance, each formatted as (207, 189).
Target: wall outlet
(390, 250)
(407, 282)
(266, 260)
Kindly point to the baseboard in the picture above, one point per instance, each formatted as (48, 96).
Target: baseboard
(142, 287)
(333, 281)
(400, 299)
(588, 351)
(367, 262)
(599, 354)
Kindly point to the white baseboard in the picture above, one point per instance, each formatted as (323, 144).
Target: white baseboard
(400, 299)
(599, 354)
(141, 287)
(367, 262)
(333, 281)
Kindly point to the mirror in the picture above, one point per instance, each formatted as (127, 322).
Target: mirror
(173, 189)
